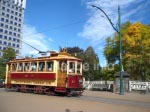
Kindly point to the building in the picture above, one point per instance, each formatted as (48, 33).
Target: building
(11, 24)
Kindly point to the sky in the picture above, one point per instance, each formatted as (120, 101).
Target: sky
(50, 24)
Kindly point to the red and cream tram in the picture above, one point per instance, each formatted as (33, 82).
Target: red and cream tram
(57, 73)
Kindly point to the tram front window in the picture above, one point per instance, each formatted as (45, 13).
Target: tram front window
(71, 67)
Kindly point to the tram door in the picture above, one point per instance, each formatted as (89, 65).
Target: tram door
(62, 73)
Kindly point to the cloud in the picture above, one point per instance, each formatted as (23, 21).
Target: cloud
(38, 40)
(97, 27)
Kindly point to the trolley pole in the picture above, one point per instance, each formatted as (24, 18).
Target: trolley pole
(118, 30)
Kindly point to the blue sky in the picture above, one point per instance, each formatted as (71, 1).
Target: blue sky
(50, 24)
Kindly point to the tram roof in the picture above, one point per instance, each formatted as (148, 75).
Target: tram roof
(53, 56)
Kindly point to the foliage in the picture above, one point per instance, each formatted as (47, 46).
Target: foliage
(91, 58)
(135, 50)
(8, 55)
(88, 57)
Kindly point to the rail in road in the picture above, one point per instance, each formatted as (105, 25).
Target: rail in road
(114, 101)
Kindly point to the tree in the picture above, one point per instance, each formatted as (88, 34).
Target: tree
(91, 58)
(88, 57)
(8, 55)
(136, 49)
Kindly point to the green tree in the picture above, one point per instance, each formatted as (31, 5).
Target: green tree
(91, 58)
(136, 49)
(8, 55)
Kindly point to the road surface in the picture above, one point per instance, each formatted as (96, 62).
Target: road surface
(90, 102)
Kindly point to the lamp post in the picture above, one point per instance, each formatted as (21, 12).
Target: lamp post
(120, 44)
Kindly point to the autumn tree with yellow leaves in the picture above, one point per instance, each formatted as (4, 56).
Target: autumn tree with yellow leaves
(136, 50)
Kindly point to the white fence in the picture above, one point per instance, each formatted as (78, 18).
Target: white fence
(106, 85)
(139, 86)
(100, 85)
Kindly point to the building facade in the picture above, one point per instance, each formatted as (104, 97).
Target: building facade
(11, 24)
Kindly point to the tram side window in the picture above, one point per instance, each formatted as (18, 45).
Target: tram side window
(49, 66)
(27, 67)
(78, 67)
(71, 67)
(33, 66)
(63, 66)
(14, 67)
(41, 66)
(20, 67)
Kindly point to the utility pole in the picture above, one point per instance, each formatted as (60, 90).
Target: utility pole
(120, 44)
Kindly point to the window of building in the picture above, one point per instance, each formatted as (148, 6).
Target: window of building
(19, 30)
(8, 5)
(15, 23)
(3, 14)
(18, 45)
(20, 20)
(0, 42)
(12, 12)
(3, 8)
(6, 31)
(16, 13)
(9, 44)
(6, 26)
(15, 29)
(4, 48)
(7, 15)
(9, 38)
(11, 22)
(14, 34)
(5, 43)
(5, 37)
(13, 45)
(7, 20)
(12, 17)
(18, 35)
(10, 27)
(8, 10)
(1, 30)
(19, 25)
(2, 19)
(1, 36)
(10, 33)
(14, 39)
(2, 24)
(18, 40)
(16, 18)
(20, 15)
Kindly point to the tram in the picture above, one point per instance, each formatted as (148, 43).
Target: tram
(56, 73)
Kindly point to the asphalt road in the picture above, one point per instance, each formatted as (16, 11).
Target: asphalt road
(27, 102)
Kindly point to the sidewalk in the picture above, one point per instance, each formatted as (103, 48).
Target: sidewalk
(127, 96)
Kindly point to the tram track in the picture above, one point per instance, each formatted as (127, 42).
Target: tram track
(114, 101)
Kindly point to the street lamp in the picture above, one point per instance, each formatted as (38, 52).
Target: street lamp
(120, 44)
